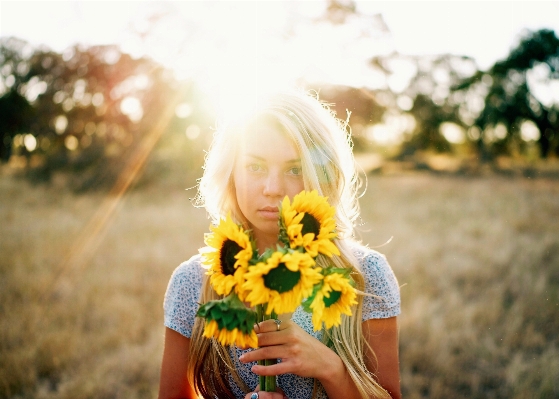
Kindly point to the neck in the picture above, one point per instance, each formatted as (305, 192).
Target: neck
(264, 242)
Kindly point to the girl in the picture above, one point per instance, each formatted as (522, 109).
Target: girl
(292, 143)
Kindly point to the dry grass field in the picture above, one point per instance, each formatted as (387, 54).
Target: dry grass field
(477, 259)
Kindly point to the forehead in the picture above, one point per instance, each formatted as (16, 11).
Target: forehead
(266, 136)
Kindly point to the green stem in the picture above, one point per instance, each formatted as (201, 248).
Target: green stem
(259, 318)
(270, 379)
(267, 383)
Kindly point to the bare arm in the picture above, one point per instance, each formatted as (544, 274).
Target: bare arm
(382, 336)
(173, 383)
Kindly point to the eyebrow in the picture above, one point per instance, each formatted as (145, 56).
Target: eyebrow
(258, 157)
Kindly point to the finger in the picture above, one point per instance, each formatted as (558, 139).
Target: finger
(271, 325)
(283, 395)
(275, 369)
(273, 338)
(267, 352)
(265, 395)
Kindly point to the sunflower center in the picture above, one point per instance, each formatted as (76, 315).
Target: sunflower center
(227, 256)
(310, 224)
(281, 279)
(332, 299)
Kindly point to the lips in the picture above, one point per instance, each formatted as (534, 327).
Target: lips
(269, 212)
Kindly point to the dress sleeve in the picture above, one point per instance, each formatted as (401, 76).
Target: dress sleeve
(382, 283)
(183, 296)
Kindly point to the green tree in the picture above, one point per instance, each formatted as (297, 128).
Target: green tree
(89, 109)
(510, 96)
(419, 86)
(15, 111)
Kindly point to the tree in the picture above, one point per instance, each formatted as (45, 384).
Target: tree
(87, 109)
(419, 87)
(15, 111)
(510, 96)
(359, 106)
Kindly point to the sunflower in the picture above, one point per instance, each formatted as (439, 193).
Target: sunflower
(228, 256)
(281, 281)
(308, 222)
(229, 321)
(233, 337)
(334, 298)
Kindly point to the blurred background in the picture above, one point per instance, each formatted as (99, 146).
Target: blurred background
(107, 109)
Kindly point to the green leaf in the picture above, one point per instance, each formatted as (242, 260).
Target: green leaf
(228, 318)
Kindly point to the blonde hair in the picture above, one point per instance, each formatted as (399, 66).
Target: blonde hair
(325, 148)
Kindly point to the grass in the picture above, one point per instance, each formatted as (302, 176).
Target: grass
(477, 258)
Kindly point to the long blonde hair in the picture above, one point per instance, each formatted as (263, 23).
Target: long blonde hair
(325, 148)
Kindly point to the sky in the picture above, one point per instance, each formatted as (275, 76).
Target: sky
(235, 49)
(484, 30)
(224, 44)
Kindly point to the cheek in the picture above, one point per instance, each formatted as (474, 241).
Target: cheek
(242, 188)
(241, 178)
(295, 188)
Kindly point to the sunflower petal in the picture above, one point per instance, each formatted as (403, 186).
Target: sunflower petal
(317, 207)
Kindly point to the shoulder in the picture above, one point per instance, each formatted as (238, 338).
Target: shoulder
(381, 284)
(372, 264)
(190, 269)
(366, 255)
(188, 274)
(182, 296)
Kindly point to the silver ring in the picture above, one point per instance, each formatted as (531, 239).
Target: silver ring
(254, 395)
(278, 322)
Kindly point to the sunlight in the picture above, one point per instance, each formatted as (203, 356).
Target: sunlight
(183, 110)
(71, 142)
(383, 134)
(60, 124)
(393, 129)
(192, 132)
(236, 51)
(452, 132)
(544, 87)
(529, 131)
(402, 71)
(234, 90)
(30, 142)
(86, 243)
(230, 54)
(132, 107)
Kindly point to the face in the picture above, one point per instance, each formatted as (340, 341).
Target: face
(267, 168)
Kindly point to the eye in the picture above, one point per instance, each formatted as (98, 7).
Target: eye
(296, 171)
(254, 167)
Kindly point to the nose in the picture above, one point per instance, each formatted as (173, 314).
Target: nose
(273, 185)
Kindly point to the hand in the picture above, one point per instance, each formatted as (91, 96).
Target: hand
(300, 353)
(267, 395)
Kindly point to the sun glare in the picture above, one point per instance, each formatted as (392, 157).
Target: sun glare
(228, 49)
(529, 131)
(235, 51)
(452, 132)
(235, 89)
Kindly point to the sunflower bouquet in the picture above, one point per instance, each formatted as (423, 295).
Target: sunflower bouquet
(279, 280)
